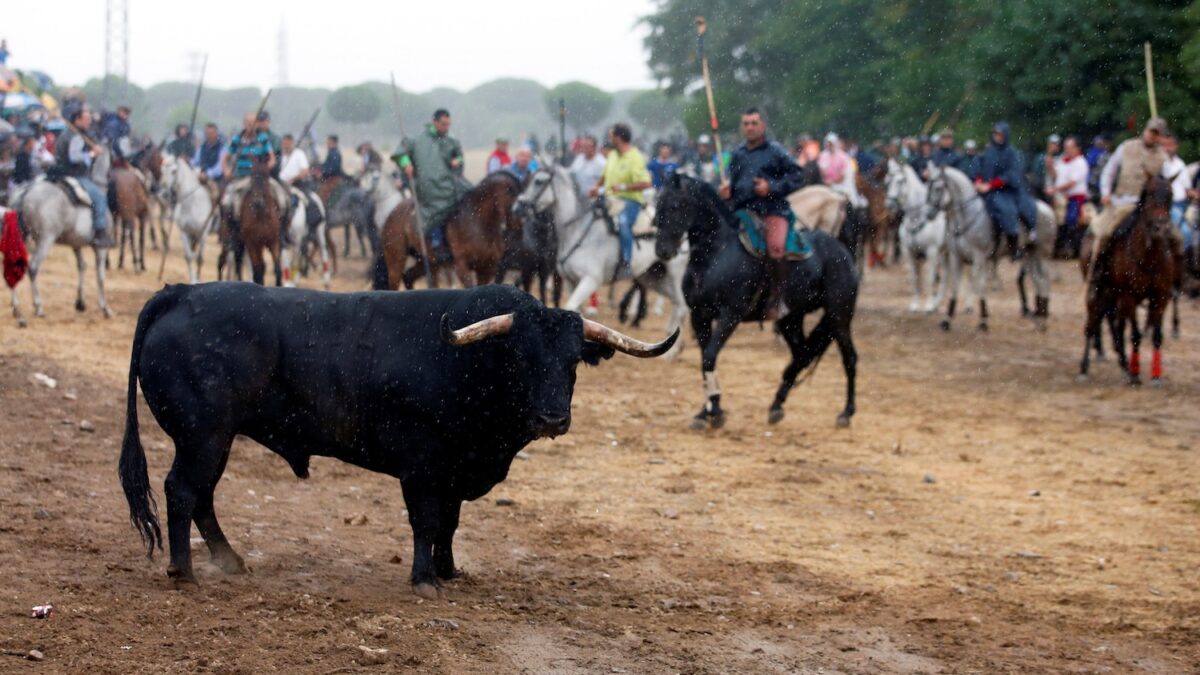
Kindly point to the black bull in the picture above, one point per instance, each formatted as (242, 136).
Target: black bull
(380, 380)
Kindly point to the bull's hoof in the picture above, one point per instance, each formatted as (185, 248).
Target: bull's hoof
(426, 590)
(1156, 383)
(450, 573)
(945, 324)
(80, 305)
(983, 327)
(229, 563)
(843, 421)
(775, 416)
(181, 578)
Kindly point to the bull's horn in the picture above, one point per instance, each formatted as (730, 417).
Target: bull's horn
(480, 330)
(598, 332)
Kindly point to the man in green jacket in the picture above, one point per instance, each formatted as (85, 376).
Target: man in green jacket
(433, 163)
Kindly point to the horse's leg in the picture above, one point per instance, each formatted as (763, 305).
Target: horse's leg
(712, 414)
(257, 263)
(583, 290)
(123, 227)
(954, 278)
(35, 266)
(1116, 325)
(346, 248)
(910, 268)
(288, 253)
(1154, 321)
(81, 268)
(1091, 329)
(845, 342)
(1135, 348)
(1025, 312)
(326, 275)
(979, 271)
(276, 261)
(101, 296)
(791, 327)
(139, 263)
(16, 309)
(1175, 314)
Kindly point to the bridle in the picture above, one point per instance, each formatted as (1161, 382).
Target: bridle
(545, 216)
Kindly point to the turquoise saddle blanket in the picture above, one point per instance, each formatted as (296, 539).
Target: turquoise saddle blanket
(753, 234)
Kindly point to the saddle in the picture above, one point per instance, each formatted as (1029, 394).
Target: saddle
(643, 227)
(74, 191)
(752, 232)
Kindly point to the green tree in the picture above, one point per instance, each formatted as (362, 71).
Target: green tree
(586, 105)
(354, 105)
(655, 110)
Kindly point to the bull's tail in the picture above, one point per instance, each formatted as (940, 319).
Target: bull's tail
(135, 479)
(379, 273)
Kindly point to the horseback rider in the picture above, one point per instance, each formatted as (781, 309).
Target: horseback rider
(946, 154)
(182, 145)
(264, 125)
(761, 176)
(1001, 182)
(433, 163)
(73, 157)
(588, 166)
(1123, 178)
(115, 130)
(371, 159)
(625, 177)
(296, 173)
(246, 148)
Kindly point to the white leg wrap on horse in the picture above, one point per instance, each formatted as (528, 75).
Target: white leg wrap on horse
(711, 388)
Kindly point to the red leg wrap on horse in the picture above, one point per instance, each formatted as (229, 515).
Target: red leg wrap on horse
(1156, 364)
(1135, 364)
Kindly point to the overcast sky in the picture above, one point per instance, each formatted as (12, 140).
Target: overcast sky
(433, 43)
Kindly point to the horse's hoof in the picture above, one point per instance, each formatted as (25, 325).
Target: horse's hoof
(945, 324)
(698, 424)
(983, 328)
(1133, 380)
(912, 308)
(22, 322)
(716, 421)
(80, 306)
(39, 313)
(1156, 383)
(108, 313)
(775, 416)
(426, 590)
(843, 421)
(1083, 378)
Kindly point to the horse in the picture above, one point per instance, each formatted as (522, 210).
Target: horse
(922, 240)
(589, 252)
(970, 239)
(1137, 264)
(475, 228)
(726, 285)
(149, 160)
(872, 185)
(193, 211)
(531, 248)
(129, 200)
(259, 220)
(350, 208)
(51, 217)
(395, 219)
(300, 233)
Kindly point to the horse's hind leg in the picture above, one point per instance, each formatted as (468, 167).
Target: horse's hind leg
(1154, 323)
(141, 251)
(276, 262)
(954, 277)
(845, 342)
(81, 268)
(124, 236)
(101, 296)
(35, 267)
(1117, 325)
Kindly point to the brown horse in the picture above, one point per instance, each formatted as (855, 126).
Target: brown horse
(872, 185)
(150, 162)
(259, 219)
(475, 228)
(1136, 264)
(398, 239)
(132, 207)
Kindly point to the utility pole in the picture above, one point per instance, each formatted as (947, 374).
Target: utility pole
(116, 46)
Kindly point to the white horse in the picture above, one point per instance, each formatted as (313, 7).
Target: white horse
(297, 231)
(970, 239)
(922, 240)
(193, 210)
(588, 253)
(51, 217)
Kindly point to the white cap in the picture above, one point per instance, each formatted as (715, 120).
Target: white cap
(704, 138)
(831, 137)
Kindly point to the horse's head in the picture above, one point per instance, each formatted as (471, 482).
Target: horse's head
(896, 184)
(538, 196)
(369, 180)
(1155, 201)
(681, 202)
(938, 196)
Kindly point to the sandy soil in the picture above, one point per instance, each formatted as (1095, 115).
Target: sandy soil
(984, 513)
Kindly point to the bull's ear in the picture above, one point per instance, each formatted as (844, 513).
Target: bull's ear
(594, 353)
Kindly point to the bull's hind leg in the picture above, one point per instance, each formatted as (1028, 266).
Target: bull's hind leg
(220, 552)
(188, 488)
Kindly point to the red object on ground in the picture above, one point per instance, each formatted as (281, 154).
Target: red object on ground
(12, 247)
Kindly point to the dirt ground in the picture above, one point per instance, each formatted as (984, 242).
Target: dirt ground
(984, 513)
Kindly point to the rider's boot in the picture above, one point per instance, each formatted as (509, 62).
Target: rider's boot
(1013, 241)
(777, 269)
(102, 240)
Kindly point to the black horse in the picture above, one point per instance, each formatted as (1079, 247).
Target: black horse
(353, 209)
(726, 285)
(532, 250)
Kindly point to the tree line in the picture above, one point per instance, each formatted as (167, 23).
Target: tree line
(874, 69)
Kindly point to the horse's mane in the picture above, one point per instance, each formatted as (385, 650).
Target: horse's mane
(477, 192)
(706, 195)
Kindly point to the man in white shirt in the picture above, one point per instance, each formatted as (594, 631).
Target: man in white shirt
(588, 166)
(1071, 182)
(293, 167)
(1176, 169)
(295, 173)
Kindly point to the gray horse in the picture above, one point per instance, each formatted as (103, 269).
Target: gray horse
(971, 240)
(52, 218)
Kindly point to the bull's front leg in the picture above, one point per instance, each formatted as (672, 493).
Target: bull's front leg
(443, 553)
(425, 516)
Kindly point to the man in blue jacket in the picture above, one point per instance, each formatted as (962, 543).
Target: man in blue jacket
(1001, 182)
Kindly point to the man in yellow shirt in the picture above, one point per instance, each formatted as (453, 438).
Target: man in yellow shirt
(625, 176)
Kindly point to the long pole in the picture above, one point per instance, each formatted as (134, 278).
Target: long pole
(415, 197)
(562, 131)
(701, 28)
(196, 101)
(1150, 80)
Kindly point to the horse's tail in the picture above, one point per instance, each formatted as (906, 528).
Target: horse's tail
(379, 273)
(135, 479)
